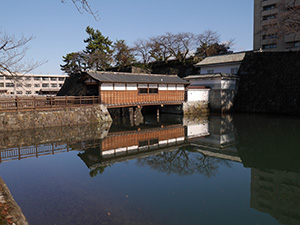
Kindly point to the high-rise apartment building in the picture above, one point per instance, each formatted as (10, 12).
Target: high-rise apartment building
(266, 37)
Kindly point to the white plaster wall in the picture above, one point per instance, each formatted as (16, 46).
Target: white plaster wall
(107, 86)
(180, 87)
(197, 130)
(131, 87)
(119, 86)
(194, 95)
(171, 87)
(228, 84)
(219, 69)
(213, 84)
(142, 85)
(162, 87)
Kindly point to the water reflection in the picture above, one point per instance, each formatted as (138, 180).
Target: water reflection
(269, 146)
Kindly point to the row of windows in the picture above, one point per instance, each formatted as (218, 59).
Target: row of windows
(269, 36)
(34, 78)
(269, 17)
(269, 7)
(26, 92)
(29, 85)
(269, 46)
(147, 90)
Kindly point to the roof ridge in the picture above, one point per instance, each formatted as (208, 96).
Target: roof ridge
(126, 73)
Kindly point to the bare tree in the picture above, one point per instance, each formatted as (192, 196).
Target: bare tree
(142, 49)
(289, 17)
(12, 53)
(83, 5)
(209, 44)
(158, 51)
(179, 45)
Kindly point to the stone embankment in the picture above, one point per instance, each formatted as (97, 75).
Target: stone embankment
(52, 118)
(10, 212)
(269, 83)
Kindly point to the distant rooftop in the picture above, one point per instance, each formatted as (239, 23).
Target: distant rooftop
(211, 76)
(221, 59)
(121, 77)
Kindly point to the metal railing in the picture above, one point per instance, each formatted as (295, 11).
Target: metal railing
(41, 103)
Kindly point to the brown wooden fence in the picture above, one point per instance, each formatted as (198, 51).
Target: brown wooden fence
(41, 103)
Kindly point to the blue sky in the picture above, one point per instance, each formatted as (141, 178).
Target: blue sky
(59, 28)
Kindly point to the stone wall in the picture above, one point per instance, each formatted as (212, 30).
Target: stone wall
(63, 134)
(269, 83)
(195, 108)
(52, 118)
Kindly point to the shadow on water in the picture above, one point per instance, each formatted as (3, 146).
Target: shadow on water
(269, 146)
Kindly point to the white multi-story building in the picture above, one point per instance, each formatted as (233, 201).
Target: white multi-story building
(31, 84)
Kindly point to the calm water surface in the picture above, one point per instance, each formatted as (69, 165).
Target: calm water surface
(219, 170)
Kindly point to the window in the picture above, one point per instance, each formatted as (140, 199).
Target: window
(297, 44)
(143, 90)
(28, 92)
(153, 142)
(19, 85)
(61, 78)
(8, 78)
(60, 85)
(269, 46)
(1, 77)
(269, 7)
(37, 92)
(37, 85)
(28, 85)
(1, 84)
(45, 78)
(143, 143)
(269, 17)
(9, 85)
(153, 90)
(53, 85)
(53, 79)
(210, 71)
(27, 78)
(37, 78)
(269, 36)
(45, 85)
(19, 92)
(234, 70)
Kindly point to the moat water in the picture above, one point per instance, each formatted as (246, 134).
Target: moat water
(241, 169)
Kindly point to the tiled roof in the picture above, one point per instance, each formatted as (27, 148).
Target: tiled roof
(221, 59)
(136, 77)
(213, 75)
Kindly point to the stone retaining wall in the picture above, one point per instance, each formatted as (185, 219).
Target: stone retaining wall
(269, 83)
(52, 118)
(195, 108)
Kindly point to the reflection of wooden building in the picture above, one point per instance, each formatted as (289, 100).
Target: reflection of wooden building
(121, 146)
(131, 89)
(140, 140)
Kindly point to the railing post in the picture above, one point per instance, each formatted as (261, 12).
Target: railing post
(16, 100)
(66, 100)
(51, 101)
(34, 103)
(93, 99)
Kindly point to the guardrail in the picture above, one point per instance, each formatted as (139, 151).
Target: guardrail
(41, 103)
